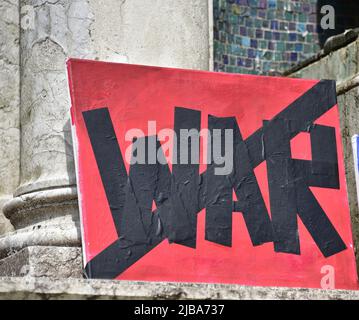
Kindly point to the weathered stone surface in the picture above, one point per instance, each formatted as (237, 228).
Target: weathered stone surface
(161, 33)
(50, 262)
(47, 217)
(340, 65)
(341, 40)
(157, 33)
(348, 103)
(9, 105)
(43, 288)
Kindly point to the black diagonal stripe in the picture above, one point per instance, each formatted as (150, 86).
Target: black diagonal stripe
(304, 111)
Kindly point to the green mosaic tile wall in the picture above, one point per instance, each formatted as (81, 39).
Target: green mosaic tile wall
(264, 36)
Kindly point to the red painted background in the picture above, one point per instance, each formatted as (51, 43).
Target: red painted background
(137, 94)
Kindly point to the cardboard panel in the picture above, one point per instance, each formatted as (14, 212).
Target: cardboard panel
(355, 142)
(255, 196)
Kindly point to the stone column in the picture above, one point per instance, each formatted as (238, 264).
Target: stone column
(9, 105)
(44, 209)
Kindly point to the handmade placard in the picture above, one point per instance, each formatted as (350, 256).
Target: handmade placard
(209, 177)
(355, 143)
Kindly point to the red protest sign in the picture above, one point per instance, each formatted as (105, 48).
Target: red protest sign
(209, 177)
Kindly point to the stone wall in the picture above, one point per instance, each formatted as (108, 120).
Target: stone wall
(44, 288)
(341, 64)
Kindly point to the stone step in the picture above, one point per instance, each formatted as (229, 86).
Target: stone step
(45, 288)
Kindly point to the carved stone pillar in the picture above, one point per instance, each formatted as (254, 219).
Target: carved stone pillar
(44, 209)
(9, 105)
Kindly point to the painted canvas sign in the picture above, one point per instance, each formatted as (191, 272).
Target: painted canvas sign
(355, 144)
(209, 177)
